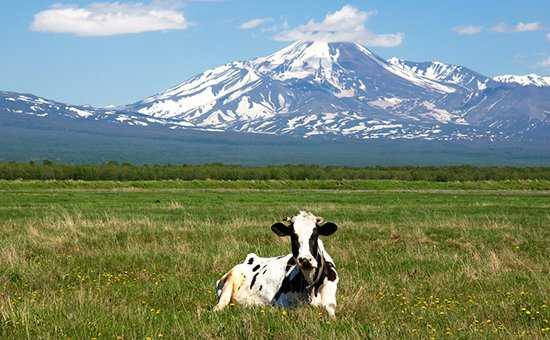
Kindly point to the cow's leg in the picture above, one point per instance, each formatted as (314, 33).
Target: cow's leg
(224, 289)
(328, 296)
(227, 287)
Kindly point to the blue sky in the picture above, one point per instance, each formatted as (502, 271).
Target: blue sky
(106, 52)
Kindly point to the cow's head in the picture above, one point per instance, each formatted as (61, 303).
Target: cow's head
(304, 230)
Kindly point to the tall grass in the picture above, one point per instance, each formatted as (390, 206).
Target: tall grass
(84, 263)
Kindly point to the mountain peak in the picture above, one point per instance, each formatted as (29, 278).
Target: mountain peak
(524, 80)
(312, 53)
(276, 82)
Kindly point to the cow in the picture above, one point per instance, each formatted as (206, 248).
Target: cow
(306, 276)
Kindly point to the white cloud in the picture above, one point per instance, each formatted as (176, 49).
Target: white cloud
(519, 27)
(545, 62)
(467, 30)
(111, 18)
(346, 24)
(277, 27)
(254, 23)
(528, 27)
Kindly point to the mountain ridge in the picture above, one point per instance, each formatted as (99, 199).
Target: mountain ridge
(329, 90)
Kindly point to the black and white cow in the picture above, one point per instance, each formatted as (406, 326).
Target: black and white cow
(308, 275)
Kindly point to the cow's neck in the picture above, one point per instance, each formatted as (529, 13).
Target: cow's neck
(314, 276)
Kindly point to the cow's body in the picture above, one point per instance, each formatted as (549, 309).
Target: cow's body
(281, 281)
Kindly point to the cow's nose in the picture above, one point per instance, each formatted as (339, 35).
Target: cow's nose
(304, 262)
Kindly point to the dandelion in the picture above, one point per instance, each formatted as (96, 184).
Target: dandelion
(285, 312)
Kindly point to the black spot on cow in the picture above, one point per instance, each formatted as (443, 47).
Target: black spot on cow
(330, 272)
(294, 282)
(253, 280)
(295, 244)
(251, 260)
(256, 268)
(261, 287)
(314, 243)
(263, 273)
(291, 262)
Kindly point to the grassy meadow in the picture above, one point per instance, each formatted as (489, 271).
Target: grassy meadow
(138, 260)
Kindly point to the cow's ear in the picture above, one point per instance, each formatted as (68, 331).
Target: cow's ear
(281, 229)
(327, 228)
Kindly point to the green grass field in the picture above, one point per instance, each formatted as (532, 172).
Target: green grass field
(103, 260)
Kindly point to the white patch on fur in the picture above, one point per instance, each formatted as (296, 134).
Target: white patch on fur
(304, 223)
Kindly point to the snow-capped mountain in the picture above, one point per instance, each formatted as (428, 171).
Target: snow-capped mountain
(302, 78)
(14, 104)
(525, 80)
(331, 90)
(309, 88)
(445, 73)
(17, 103)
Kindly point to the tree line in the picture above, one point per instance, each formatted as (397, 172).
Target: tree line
(47, 170)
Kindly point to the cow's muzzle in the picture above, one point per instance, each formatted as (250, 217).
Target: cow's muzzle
(307, 263)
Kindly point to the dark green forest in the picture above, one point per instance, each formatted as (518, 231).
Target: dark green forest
(47, 170)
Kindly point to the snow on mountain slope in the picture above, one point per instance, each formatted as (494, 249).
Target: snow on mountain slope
(484, 103)
(332, 90)
(332, 61)
(304, 78)
(13, 103)
(445, 73)
(525, 80)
